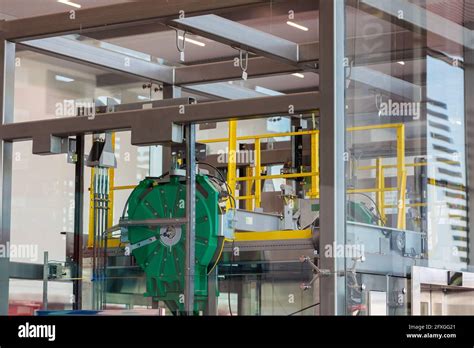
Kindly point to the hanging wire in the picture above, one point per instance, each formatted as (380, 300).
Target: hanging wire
(241, 60)
(178, 46)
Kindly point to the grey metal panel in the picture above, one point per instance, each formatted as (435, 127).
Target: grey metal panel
(23, 270)
(422, 18)
(7, 80)
(83, 53)
(255, 221)
(113, 16)
(238, 35)
(332, 128)
(142, 122)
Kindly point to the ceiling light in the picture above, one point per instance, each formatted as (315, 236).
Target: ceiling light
(63, 78)
(141, 97)
(301, 76)
(70, 3)
(194, 42)
(401, 62)
(297, 26)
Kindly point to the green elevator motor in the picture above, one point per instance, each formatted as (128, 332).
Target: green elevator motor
(160, 250)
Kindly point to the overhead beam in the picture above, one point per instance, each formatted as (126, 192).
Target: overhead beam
(80, 52)
(227, 70)
(112, 17)
(387, 83)
(158, 125)
(241, 36)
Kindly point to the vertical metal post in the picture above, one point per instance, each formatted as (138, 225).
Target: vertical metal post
(332, 140)
(380, 197)
(7, 81)
(401, 176)
(258, 173)
(469, 136)
(232, 158)
(78, 222)
(45, 280)
(314, 165)
(191, 217)
(212, 293)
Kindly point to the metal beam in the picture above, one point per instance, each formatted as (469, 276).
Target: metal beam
(169, 119)
(24, 270)
(241, 36)
(112, 17)
(7, 87)
(73, 50)
(227, 70)
(332, 145)
(387, 83)
(225, 90)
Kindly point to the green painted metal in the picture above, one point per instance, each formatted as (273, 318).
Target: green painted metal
(359, 212)
(164, 259)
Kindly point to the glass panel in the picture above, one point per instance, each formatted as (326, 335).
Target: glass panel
(406, 97)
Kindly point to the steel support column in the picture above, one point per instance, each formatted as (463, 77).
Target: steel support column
(7, 77)
(332, 134)
(191, 217)
(469, 136)
(78, 222)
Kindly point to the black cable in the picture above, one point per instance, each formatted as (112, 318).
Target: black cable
(375, 204)
(215, 168)
(222, 178)
(128, 199)
(305, 308)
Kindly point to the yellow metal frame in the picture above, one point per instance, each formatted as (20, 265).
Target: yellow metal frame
(379, 190)
(254, 176)
(272, 235)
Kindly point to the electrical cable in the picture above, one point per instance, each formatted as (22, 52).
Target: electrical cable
(375, 205)
(218, 258)
(224, 181)
(128, 199)
(305, 308)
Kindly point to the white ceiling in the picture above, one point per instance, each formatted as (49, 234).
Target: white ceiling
(11, 9)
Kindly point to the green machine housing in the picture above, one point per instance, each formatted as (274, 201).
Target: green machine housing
(160, 250)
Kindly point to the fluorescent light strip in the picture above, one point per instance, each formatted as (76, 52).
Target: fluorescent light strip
(197, 43)
(297, 26)
(70, 3)
(301, 76)
(401, 62)
(63, 78)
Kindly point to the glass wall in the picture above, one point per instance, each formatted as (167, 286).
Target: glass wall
(407, 99)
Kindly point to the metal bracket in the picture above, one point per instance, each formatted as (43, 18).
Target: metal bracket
(316, 270)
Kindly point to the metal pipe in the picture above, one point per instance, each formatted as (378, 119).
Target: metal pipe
(191, 217)
(232, 159)
(78, 222)
(154, 222)
(258, 174)
(45, 280)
